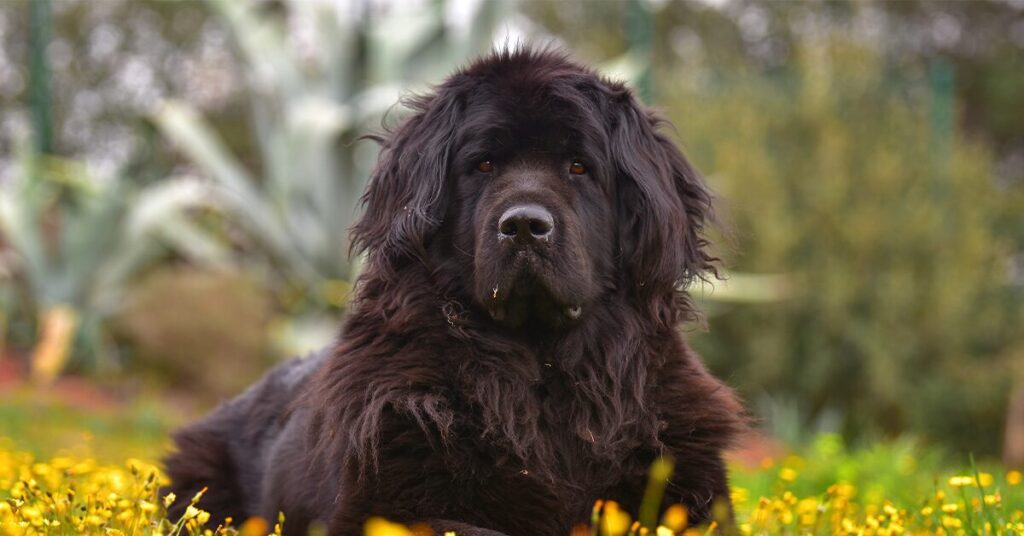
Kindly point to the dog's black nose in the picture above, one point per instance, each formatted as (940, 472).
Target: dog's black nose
(526, 223)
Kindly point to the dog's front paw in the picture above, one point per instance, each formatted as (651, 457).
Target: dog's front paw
(441, 526)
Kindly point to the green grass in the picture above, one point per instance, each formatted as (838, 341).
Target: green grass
(825, 487)
(46, 427)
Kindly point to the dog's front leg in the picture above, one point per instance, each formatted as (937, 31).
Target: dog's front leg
(408, 479)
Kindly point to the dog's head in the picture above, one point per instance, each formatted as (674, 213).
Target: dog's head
(535, 188)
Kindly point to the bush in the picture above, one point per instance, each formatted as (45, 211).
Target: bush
(202, 331)
(851, 179)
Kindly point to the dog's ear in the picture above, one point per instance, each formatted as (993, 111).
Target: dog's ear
(405, 198)
(664, 205)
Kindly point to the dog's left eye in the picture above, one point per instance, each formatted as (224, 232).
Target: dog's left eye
(577, 168)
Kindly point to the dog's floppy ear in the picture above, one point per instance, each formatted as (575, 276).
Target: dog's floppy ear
(663, 203)
(406, 196)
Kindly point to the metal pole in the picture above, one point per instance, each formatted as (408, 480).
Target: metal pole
(40, 26)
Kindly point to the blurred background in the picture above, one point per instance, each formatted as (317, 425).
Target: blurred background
(177, 180)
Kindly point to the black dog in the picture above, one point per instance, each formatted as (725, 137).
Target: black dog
(512, 352)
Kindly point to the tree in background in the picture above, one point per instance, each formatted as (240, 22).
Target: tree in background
(842, 173)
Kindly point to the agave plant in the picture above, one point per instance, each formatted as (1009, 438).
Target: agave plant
(72, 242)
(313, 93)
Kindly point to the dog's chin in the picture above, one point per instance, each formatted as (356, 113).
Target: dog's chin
(531, 300)
(529, 303)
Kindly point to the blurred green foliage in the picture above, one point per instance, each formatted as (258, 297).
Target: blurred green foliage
(75, 242)
(869, 159)
(903, 312)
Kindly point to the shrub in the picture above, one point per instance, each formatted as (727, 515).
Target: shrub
(851, 179)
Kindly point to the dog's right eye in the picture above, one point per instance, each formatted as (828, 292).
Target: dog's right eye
(485, 166)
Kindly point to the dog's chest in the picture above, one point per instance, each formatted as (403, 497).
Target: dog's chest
(544, 463)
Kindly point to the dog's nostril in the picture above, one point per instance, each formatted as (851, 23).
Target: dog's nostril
(540, 228)
(508, 227)
(526, 222)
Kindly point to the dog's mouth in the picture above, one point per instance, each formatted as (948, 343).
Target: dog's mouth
(527, 296)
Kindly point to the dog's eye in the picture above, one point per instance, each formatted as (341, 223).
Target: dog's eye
(576, 168)
(485, 166)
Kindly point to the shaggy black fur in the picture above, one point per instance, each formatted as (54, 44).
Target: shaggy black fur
(490, 378)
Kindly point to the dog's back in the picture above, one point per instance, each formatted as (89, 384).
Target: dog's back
(226, 451)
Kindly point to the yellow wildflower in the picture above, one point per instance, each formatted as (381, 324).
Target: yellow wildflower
(615, 521)
(675, 518)
(951, 522)
(376, 526)
(961, 481)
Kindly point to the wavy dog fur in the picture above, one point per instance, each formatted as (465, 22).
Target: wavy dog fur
(430, 410)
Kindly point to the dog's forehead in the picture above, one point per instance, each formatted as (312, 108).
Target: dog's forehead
(503, 131)
(528, 85)
(548, 113)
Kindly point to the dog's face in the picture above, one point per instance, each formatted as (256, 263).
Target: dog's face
(531, 205)
(535, 188)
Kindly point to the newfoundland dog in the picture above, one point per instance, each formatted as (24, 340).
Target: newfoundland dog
(513, 348)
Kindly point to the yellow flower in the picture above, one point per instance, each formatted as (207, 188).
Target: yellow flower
(842, 489)
(739, 495)
(807, 506)
(951, 522)
(1013, 478)
(199, 495)
(961, 481)
(787, 474)
(675, 518)
(377, 526)
(254, 526)
(614, 520)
